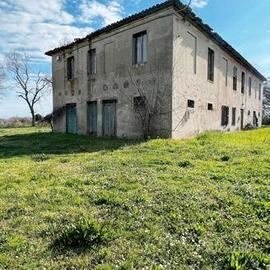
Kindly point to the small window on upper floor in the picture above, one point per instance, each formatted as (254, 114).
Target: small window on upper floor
(70, 68)
(249, 85)
(243, 82)
(235, 78)
(211, 65)
(255, 88)
(190, 103)
(210, 107)
(140, 48)
(92, 61)
(260, 91)
(225, 70)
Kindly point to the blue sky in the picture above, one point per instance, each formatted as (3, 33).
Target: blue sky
(36, 26)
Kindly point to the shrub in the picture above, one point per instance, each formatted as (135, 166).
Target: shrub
(241, 261)
(40, 157)
(225, 158)
(185, 164)
(84, 233)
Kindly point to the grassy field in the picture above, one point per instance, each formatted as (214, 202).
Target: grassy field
(72, 202)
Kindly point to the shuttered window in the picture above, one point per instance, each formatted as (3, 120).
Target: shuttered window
(243, 82)
(235, 78)
(140, 48)
(70, 68)
(211, 65)
(249, 85)
(233, 116)
(224, 115)
(92, 61)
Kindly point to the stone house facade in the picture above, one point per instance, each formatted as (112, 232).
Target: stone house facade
(162, 70)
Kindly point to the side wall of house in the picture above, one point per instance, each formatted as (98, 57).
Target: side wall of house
(116, 77)
(190, 81)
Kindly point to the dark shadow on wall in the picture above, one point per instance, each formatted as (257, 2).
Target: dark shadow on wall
(58, 144)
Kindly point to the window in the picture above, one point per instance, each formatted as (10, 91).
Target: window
(225, 67)
(235, 78)
(260, 91)
(211, 63)
(255, 89)
(210, 107)
(92, 61)
(190, 103)
(140, 48)
(233, 116)
(249, 85)
(255, 119)
(224, 115)
(139, 102)
(70, 68)
(192, 51)
(243, 82)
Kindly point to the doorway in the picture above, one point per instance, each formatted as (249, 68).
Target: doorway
(109, 118)
(92, 118)
(71, 118)
(241, 119)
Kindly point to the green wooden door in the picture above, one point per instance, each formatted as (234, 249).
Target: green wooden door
(92, 117)
(71, 119)
(109, 118)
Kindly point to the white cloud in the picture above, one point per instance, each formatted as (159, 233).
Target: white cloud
(109, 13)
(199, 3)
(36, 26)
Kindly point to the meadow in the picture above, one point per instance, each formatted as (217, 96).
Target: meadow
(75, 202)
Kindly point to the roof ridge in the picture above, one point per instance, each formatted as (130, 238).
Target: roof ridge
(182, 9)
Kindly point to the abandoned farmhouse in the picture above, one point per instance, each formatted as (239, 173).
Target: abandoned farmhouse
(161, 72)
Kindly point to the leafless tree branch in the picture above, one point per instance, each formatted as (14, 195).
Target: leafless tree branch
(30, 86)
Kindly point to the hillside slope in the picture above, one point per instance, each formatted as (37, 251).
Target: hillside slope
(71, 202)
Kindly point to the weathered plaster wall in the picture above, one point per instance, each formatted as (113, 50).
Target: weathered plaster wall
(187, 85)
(170, 69)
(114, 72)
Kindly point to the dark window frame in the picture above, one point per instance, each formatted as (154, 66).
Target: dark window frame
(139, 102)
(92, 62)
(249, 85)
(224, 115)
(235, 71)
(210, 107)
(233, 116)
(243, 82)
(140, 48)
(226, 70)
(191, 103)
(211, 65)
(260, 91)
(70, 68)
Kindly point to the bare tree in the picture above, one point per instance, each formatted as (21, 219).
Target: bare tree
(29, 86)
(266, 103)
(151, 98)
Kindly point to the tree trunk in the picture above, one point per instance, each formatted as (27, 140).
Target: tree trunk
(33, 118)
(147, 125)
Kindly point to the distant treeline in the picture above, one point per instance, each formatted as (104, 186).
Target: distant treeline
(19, 121)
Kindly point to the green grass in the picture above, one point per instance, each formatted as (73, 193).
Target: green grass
(72, 202)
